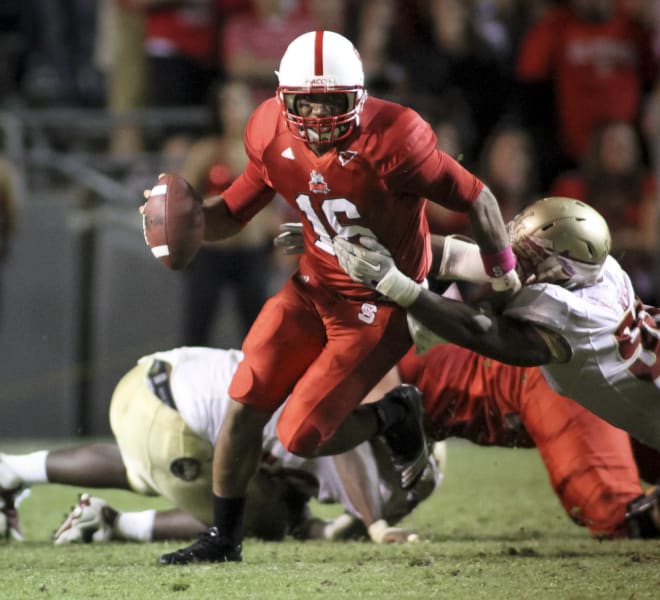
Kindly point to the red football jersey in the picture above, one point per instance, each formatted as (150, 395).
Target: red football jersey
(373, 183)
(589, 462)
(470, 396)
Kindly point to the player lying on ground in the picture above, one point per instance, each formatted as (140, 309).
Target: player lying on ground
(589, 462)
(165, 414)
(577, 314)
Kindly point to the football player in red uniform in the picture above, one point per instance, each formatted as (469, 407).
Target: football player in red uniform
(589, 462)
(350, 165)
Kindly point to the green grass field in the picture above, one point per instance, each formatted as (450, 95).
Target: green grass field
(493, 530)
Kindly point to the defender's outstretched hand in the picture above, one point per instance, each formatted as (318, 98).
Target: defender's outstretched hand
(371, 264)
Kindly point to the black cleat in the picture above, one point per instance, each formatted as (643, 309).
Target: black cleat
(405, 436)
(643, 514)
(209, 548)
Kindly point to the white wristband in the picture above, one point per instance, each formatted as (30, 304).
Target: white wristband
(399, 287)
(508, 281)
(377, 530)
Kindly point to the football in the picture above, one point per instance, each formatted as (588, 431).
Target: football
(173, 221)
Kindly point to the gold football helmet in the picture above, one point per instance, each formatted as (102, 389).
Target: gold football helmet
(560, 240)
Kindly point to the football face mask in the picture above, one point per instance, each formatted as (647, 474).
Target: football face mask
(321, 118)
(321, 65)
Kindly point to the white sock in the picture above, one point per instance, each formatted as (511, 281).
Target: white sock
(30, 468)
(135, 526)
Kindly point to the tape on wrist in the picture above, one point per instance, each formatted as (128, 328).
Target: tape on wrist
(499, 263)
(377, 530)
(399, 287)
(508, 281)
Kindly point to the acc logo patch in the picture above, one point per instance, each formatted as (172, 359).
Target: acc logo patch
(186, 468)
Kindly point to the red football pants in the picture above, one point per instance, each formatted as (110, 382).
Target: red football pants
(590, 462)
(324, 350)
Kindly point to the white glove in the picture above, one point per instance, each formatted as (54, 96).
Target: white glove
(85, 523)
(290, 238)
(371, 264)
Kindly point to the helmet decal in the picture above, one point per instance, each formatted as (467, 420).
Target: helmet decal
(560, 240)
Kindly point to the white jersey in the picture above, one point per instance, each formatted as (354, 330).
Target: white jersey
(614, 370)
(199, 381)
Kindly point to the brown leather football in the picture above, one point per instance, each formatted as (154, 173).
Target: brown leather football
(173, 221)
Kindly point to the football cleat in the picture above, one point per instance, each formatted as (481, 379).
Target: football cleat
(643, 514)
(405, 437)
(89, 521)
(11, 493)
(10, 527)
(209, 548)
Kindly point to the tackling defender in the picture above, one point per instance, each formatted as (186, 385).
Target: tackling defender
(348, 165)
(590, 463)
(577, 315)
(165, 414)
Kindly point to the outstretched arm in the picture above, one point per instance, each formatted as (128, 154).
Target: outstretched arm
(493, 335)
(498, 337)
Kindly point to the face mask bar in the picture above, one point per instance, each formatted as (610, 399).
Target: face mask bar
(321, 130)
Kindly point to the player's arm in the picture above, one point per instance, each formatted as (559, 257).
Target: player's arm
(493, 335)
(226, 214)
(438, 177)
(360, 479)
(219, 222)
(490, 233)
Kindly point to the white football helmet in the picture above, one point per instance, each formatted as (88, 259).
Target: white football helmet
(560, 240)
(321, 62)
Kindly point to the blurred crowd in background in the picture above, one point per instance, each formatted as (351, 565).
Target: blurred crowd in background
(537, 97)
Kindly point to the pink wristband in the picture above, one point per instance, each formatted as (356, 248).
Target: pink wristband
(499, 263)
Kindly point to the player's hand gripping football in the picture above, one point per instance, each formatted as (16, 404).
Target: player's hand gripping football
(371, 264)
